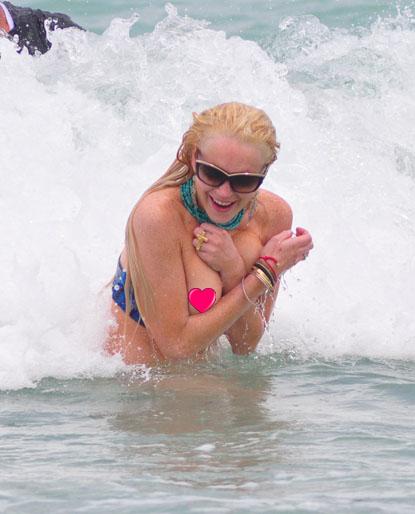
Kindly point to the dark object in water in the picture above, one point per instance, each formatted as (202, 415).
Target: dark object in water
(29, 26)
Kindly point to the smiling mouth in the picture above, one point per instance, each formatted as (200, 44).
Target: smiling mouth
(221, 206)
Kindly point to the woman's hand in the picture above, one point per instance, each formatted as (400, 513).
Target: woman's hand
(219, 251)
(288, 249)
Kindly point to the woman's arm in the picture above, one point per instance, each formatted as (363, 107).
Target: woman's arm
(246, 333)
(288, 251)
(159, 229)
(177, 334)
(221, 254)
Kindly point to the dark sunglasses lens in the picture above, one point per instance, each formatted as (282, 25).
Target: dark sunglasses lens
(215, 178)
(210, 175)
(245, 183)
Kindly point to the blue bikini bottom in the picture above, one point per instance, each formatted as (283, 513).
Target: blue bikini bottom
(118, 294)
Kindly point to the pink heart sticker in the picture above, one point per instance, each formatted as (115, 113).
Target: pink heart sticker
(202, 299)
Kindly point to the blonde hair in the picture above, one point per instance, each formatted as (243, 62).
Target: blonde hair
(248, 124)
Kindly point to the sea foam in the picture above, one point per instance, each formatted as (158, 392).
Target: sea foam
(89, 125)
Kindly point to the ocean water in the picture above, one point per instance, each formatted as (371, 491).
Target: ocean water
(320, 419)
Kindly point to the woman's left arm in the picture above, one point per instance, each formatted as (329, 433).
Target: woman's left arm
(222, 255)
(245, 334)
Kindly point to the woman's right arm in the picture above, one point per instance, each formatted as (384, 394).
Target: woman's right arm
(178, 334)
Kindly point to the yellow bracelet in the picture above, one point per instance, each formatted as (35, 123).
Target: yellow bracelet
(263, 267)
(263, 278)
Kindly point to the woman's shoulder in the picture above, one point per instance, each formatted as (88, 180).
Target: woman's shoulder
(274, 212)
(159, 209)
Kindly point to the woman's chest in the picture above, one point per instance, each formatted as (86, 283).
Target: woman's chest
(201, 277)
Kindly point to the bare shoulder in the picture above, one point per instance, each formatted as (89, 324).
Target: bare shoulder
(274, 212)
(157, 213)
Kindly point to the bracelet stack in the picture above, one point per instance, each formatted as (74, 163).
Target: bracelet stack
(270, 270)
(265, 273)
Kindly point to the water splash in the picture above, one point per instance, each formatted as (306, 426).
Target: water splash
(92, 123)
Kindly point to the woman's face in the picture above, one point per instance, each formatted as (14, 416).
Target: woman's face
(221, 203)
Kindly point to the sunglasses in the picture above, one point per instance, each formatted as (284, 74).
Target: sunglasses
(240, 182)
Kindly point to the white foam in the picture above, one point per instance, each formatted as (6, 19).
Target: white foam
(89, 125)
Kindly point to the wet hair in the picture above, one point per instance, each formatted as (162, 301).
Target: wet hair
(246, 123)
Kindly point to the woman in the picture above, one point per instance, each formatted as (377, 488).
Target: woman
(205, 247)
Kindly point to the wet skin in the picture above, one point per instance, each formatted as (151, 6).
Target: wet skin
(166, 233)
(3, 21)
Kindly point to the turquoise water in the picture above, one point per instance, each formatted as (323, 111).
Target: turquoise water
(250, 19)
(320, 420)
(243, 435)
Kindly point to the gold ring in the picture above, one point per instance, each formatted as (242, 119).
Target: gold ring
(200, 243)
(201, 240)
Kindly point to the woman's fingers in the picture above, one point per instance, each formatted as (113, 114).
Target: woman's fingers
(299, 231)
(303, 243)
(282, 236)
(289, 249)
(209, 229)
(303, 238)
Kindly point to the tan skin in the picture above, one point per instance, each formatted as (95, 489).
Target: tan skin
(3, 21)
(167, 235)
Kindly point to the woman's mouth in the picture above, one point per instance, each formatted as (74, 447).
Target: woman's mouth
(221, 206)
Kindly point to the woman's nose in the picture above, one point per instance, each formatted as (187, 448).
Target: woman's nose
(225, 189)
